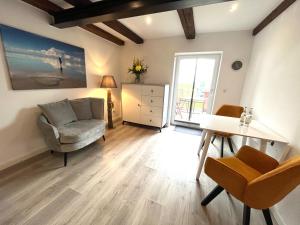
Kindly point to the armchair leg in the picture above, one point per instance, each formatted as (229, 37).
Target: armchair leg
(246, 215)
(267, 216)
(222, 147)
(214, 193)
(214, 138)
(103, 138)
(230, 144)
(65, 159)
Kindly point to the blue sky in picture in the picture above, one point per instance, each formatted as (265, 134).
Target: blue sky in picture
(30, 55)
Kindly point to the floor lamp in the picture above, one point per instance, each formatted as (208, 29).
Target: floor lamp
(109, 82)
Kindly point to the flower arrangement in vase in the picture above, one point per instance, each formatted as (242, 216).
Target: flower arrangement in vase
(138, 68)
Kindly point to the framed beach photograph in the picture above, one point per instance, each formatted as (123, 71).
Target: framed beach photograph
(36, 62)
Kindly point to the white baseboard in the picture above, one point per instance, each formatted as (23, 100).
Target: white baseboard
(277, 219)
(21, 158)
(117, 120)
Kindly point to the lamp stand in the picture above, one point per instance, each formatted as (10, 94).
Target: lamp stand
(110, 105)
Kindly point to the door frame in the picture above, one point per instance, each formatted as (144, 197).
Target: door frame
(175, 80)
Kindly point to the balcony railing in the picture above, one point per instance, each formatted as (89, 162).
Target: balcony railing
(184, 111)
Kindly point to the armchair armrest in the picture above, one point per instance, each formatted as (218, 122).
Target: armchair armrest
(270, 188)
(256, 159)
(50, 133)
(226, 177)
(97, 106)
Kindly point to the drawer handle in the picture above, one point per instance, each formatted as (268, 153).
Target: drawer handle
(150, 110)
(139, 105)
(151, 101)
(150, 120)
(151, 90)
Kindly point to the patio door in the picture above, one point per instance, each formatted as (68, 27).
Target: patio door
(195, 83)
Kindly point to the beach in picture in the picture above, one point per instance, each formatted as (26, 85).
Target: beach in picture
(36, 62)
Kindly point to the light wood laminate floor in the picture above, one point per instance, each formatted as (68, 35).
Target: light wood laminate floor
(137, 176)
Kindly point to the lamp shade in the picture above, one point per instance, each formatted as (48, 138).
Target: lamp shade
(108, 81)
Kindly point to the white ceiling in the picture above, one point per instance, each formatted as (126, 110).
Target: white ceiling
(210, 18)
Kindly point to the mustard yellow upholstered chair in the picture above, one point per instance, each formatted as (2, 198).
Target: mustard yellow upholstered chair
(254, 178)
(229, 111)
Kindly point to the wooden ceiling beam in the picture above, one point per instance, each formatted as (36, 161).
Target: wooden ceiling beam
(114, 24)
(102, 11)
(52, 8)
(187, 20)
(273, 15)
(125, 31)
(44, 5)
(102, 33)
(78, 3)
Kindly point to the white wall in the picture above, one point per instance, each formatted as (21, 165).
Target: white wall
(272, 87)
(19, 135)
(159, 55)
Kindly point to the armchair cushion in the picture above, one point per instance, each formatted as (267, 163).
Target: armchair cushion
(50, 132)
(80, 130)
(256, 159)
(59, 113)
(97, 105)
(225, 135)
(271, 187)
(230, 111)
(82, 108)
(255, 178)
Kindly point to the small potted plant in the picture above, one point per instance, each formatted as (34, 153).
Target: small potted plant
(138, 68)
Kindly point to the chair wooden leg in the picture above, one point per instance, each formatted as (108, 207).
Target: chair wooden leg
(103, 138)
(267, 216)
(214, 138)
(246, 215)
(65, 159)
(222, 147)
(214, 193)
(230, 144)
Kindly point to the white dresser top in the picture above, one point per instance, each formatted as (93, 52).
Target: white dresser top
(161, 85)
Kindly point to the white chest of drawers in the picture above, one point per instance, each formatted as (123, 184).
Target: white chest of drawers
(145, 104)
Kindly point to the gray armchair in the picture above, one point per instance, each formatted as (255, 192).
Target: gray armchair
(71, 125)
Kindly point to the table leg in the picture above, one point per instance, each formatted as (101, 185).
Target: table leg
(202, 140)
(244, 140)
(285, 153)
(204, 153)
(263, 145)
